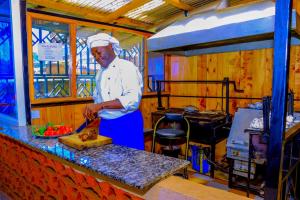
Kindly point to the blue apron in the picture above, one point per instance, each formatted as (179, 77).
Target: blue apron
(126, 130)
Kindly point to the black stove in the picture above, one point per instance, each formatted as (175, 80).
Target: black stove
(206, 126)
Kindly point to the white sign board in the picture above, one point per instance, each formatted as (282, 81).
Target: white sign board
(51, 51)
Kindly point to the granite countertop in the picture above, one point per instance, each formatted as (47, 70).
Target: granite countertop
(138, 169)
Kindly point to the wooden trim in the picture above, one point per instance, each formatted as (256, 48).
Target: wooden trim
(60, 100)
(83, 23)
(146, 66)
(73, 57)
(49, 17)
(154, 94)
(63, 103)
(167, 70)
(30, 59)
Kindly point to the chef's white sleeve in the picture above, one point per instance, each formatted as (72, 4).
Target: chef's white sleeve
(132, 88)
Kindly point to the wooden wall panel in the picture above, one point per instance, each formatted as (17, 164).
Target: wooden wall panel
(228, 66)
(70, 115)
(202, 75)
(42, 118)
(296, 75)
(252, 71)
(54, 114)
(147, 106)
(78, 117)
(247, 58)
(181, 88)
(268, 63)
(212, 90)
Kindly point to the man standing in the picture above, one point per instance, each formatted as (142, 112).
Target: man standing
(117, 95)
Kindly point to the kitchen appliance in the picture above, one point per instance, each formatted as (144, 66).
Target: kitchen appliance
(206, 127)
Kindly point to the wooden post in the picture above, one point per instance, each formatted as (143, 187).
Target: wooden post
(279, 97)
(296, 5)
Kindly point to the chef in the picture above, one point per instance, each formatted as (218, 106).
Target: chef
(117, 94)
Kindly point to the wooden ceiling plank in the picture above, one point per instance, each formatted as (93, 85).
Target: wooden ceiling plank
(180, 5)
(124, 9)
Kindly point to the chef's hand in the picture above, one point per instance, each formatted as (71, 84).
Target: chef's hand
(91, 110)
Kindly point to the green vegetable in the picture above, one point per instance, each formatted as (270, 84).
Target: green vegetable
(50, 124)
(42, 130)
(35, 130)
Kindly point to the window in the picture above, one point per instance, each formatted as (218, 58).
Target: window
(7, 78)
(62, 66)
(132, 48)
(86, 65)
(51, 59)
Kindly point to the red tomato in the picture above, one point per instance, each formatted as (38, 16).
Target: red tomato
(59, 132)
(51, 133)
(68, 130)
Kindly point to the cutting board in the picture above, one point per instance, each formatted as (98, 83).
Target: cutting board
(75, 142)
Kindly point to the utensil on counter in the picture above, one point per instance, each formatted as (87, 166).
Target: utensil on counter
(88, 123)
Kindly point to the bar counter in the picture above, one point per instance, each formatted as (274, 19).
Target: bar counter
(35, 168)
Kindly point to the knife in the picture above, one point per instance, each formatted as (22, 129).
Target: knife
(87, 123)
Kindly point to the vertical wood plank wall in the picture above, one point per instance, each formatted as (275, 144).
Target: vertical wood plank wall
(252, 71)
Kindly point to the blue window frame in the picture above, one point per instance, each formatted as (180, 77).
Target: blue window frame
(7, 79)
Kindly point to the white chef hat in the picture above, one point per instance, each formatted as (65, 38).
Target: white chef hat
(104, 39)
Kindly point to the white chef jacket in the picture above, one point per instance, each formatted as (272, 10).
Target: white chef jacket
(120, 80)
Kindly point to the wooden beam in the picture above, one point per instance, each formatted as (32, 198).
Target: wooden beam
(124, 9)
(180, 5)
(132, 22)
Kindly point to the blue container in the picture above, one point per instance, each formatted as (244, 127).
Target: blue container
(199, 161)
